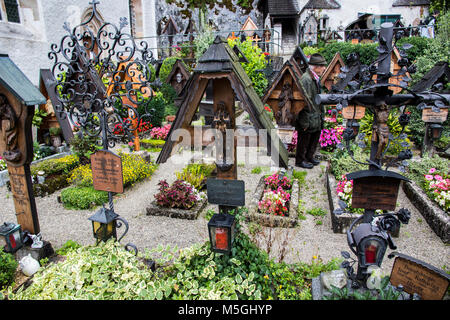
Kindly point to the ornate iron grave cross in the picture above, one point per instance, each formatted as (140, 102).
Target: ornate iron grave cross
(377, 96)
(376, 188)
(103, 83)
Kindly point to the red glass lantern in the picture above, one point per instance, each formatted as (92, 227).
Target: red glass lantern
(11, 238)
(221, 229)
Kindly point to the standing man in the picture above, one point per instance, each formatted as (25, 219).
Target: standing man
(309, 121)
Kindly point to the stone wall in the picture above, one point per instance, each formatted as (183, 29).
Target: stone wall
(219, 16)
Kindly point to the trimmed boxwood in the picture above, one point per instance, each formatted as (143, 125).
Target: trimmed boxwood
(83, 197)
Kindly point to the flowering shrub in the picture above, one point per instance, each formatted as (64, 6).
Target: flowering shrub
(329, 138)
(143, 127)
(160, 132)
(273, 182)
(179, 195)
(437, 187)
(275, 202)
(344, 190)
(276, 196)
(269, 112)
(134, 169)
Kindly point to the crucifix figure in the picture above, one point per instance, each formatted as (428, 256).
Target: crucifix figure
(381, 130)
(222, 122)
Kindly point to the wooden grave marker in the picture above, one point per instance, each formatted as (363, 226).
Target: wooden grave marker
(418, 277)
(18, 97)
(375, 189)
(107, 172)
(428, 115)
(353, 112)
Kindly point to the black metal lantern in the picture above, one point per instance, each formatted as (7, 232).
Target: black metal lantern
(104, 224)
(370, 244)
(11, 237)
(221, 229)
(436, 131)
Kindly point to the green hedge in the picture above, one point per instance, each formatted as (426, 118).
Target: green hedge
(83, 197)
(367, 51)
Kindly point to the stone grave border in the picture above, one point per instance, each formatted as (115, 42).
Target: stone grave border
(154, 210)
(271, 220)
(437, 219)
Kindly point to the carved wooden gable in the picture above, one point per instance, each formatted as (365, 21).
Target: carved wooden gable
(18, 96)
(285, 92)
(178, 76)
(249, 27)
(330, 76)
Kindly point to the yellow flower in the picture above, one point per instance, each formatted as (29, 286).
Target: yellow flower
(314, 257)
(266, 277)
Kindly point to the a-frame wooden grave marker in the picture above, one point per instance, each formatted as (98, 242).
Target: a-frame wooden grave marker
(330, 75)
(220, 64)
(285, 96)
(178, 76)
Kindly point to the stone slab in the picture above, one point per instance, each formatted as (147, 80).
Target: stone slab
(437, 218)
(154, 210)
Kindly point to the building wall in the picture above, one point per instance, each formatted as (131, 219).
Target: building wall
(28, 43)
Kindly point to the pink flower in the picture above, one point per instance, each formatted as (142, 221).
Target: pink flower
(432, 170)
(438, 177)
(428, 177)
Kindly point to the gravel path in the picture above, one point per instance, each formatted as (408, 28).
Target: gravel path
(308, 239)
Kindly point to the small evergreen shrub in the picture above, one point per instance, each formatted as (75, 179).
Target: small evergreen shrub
(83, 197)
(8, 266)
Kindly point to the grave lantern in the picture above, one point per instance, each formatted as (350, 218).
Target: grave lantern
(370, 246)
(104, 224)
(11, 238)
(221, 232)
(436, 131)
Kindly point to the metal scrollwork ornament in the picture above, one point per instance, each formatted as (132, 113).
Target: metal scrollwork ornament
(102, 79)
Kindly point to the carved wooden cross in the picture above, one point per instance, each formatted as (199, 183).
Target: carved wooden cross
(18, 97)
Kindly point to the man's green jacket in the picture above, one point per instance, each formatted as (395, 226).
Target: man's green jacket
(311, 116)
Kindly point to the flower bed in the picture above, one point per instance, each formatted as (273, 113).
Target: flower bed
(432, 198)
(275, 202)
(179, 200)
(160, 132)
(135, 169)
(437, 187)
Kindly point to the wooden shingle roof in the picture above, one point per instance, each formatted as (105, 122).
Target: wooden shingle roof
(15, 81)
(283, 7)
(440, 69)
